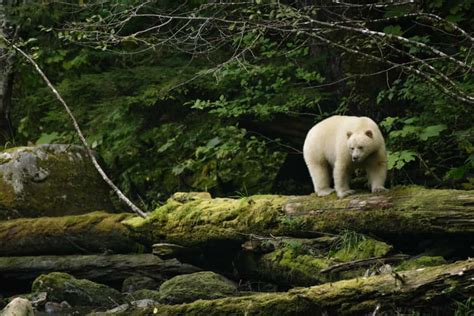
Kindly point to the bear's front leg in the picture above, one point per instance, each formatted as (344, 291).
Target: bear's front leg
(377, 173)
(342, 173)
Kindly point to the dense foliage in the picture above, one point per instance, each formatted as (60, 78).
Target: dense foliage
(165, 120)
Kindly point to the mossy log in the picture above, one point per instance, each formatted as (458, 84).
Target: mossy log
(416, 290)
(96, 232)
(197, 220)
(303, 262)
(98, 268)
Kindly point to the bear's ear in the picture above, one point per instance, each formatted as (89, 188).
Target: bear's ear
(349, 134)
(369, 133)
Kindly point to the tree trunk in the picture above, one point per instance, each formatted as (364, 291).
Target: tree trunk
(6, 79)
(405, 213)
(422, 290)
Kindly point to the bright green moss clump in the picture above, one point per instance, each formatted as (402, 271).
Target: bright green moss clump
(363, 248)
(200, 221)
(420, 262)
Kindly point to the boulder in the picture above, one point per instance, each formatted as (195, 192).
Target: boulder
(18, 307)
(77, 292)
(191, 287)
(139, 282)
(50, 180)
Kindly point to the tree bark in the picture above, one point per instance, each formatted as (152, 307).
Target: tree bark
(99, 268)
(422, 290)
(407, 213)
(6, 79)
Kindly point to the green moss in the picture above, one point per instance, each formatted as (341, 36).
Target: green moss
(349, 297)
(7, 200)
(144, 294)
(51, 180)
(420, 262)
(64, 287)
(363, 249)
(202, 221)
(288, 266)
(91, 233)
(194, 286)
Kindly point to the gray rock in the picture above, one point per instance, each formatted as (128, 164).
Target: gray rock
(18, 307)
(49, 180)
(145, 303)
(137, 282)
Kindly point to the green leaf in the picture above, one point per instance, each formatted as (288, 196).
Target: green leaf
(398, 159)
(213, 142)
(457, 173)
(432, 131)
(46, 138)
(388, 122)
(393, 30)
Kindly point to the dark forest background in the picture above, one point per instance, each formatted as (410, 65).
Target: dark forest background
(224, 106)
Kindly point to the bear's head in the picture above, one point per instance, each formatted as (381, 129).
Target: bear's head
(360, 145)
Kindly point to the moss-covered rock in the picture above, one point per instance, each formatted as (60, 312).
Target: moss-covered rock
(191, 287)
(49, 180)
(77, 292)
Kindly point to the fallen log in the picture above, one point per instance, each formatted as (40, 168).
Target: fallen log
(427, 290)
(95, 232)
(196, 220)
(414, 213)
(98, 268)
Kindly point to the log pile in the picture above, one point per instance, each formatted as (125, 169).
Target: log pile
(405, 250)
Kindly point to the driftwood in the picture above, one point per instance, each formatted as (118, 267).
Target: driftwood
(96, 232)
(422, 290)
(99, 268)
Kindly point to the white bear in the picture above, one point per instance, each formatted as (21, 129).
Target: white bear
(345, 143)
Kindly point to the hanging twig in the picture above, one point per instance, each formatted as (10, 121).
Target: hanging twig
(117, 191)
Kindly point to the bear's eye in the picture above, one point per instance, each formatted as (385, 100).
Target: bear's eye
(352, 148)
(360, 147)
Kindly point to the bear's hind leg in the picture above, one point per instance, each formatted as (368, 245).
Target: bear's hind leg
(321, 179)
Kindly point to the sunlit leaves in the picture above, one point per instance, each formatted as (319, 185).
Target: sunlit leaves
(398, 159)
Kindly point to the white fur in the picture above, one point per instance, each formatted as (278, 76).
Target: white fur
(343, 144)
